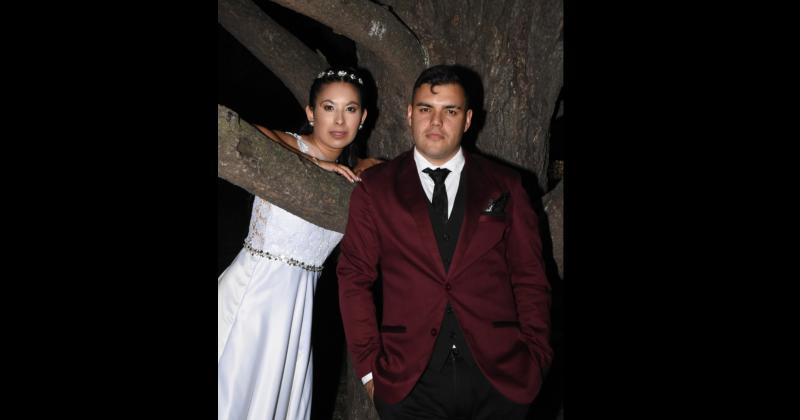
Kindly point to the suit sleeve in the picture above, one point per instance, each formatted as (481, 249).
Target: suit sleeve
(357, 271)
(528, 279)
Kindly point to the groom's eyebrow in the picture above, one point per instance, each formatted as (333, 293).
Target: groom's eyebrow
(431, 106)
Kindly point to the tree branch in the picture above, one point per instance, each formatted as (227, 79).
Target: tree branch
(250, 160)
(372, 27)
(288, 58)
(388, 50)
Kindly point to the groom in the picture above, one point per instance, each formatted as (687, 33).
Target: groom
(465, 325)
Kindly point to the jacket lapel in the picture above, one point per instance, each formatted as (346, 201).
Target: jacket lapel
(410, 191)
(477, 191)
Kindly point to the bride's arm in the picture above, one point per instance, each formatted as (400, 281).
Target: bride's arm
(289, 142)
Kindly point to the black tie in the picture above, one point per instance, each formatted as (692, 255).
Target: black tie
(439, 201)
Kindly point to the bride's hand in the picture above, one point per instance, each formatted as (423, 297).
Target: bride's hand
(364, 164)
(340, 169)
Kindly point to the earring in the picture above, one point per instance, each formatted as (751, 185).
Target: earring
(360, 126)
(311, 123)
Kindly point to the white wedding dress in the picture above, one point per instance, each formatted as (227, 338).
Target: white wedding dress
(264, 316)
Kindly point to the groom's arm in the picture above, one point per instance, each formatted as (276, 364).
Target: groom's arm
(357, 271)
(529, 282)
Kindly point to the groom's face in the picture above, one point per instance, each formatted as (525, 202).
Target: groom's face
(438, 119)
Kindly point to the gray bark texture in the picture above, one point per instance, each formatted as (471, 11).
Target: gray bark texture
(515, 46)
(249, 159)
(554, 211)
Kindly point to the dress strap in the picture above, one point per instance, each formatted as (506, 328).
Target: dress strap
(300, 143)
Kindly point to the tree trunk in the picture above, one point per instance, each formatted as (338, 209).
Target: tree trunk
(554, 211)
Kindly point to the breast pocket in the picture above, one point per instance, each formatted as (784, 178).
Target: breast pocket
(505, 324)
(393, 329)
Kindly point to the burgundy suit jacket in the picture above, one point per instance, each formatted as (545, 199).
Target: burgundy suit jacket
(496, 283)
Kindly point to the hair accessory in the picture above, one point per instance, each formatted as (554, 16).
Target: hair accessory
(341, 73)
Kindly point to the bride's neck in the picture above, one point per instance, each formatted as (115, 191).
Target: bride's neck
(319, 152)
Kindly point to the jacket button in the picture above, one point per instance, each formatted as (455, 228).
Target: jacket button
(433, 331)
(448, 286)
(445, 236)
(449, 310)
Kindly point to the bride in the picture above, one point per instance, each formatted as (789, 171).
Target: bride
(265, 296)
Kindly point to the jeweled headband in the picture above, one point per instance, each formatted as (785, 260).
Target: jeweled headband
(341, 73)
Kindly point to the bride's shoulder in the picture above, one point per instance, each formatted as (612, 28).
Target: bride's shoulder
(289, 139)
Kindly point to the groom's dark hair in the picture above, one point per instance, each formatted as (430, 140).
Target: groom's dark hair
(442, 74)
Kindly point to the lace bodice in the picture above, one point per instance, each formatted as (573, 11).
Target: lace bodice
(279, 233)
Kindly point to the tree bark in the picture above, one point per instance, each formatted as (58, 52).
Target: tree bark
(388, 50)
(554, 211)
(357, 405)
(514, 45)
(272, 45)
(372, 27)
(516, 48)
(250, 160)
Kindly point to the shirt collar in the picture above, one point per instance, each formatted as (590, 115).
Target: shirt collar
(455, 164)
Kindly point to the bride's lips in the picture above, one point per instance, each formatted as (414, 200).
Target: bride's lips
(338, 134)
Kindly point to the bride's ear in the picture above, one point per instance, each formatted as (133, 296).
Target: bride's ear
(310, 115)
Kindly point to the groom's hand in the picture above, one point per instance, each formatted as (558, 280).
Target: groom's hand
(370, 387)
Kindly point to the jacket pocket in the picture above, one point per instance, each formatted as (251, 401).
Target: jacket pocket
(492, 217)
(393, 328)
(505, 324)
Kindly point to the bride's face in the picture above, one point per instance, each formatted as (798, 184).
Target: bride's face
(337, 114)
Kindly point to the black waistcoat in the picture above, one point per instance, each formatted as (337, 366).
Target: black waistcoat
(446, 239)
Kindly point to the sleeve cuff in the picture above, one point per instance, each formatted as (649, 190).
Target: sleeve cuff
(366, 378)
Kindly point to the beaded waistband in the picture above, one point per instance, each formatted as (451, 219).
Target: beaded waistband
(282, 258)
